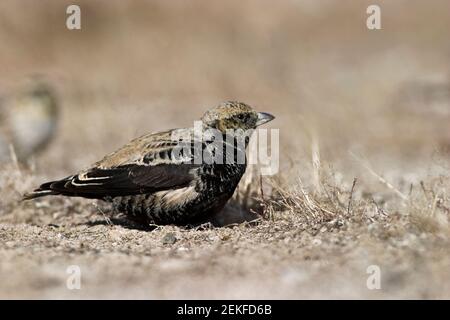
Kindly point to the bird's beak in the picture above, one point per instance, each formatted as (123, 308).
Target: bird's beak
(264, 117)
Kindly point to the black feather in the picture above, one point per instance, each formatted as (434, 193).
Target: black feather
(119, 181)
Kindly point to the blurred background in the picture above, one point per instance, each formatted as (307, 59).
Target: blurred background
(140, 66)
(357, 103)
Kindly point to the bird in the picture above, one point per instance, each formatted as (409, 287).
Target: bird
(179, 176)
(28, 121)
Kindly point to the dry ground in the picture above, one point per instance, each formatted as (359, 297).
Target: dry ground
(350, 103)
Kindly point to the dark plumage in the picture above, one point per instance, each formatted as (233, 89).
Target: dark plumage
(158, 178)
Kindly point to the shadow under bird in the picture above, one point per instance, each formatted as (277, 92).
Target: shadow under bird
(145, 181)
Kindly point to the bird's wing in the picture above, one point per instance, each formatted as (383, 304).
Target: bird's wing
(142, 166)
(151, 149)
(123, 181)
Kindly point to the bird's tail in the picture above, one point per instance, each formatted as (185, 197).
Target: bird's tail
(42, 191)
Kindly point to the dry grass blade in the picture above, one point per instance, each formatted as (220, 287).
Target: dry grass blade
(380, 178)
(315, 159)
(350, 198)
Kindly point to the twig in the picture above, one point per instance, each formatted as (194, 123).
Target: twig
(108, 220)
(379, 209)
(261, 186)
(311, 203)
(315, 159)
(411, 187)
(425, 191)
(14, 159)
(350, 198)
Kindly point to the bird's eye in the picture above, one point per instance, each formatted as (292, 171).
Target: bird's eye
(241, 117)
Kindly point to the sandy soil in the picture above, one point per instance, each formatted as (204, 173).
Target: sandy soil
(270, 259)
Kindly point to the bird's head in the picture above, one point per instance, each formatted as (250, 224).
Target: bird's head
(37, 100)
(233, 115)
(43, 97)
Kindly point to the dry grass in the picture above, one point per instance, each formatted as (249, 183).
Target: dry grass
(302, 236)
(364, 146)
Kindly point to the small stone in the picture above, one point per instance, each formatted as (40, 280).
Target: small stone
(169, 238)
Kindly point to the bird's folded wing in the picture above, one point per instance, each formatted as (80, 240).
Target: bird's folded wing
(150, 149)
(144, 165)
(124, 180)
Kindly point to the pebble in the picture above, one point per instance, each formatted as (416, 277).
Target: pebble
(169, 238)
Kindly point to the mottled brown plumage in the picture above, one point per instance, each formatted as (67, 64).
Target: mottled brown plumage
(157, 178)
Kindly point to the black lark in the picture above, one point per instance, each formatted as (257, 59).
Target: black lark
(28, 121)
(172, 177)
